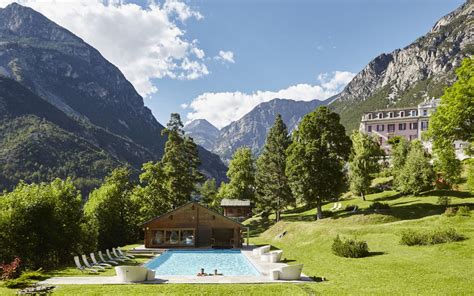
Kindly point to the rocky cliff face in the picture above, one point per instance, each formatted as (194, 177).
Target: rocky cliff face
(251, 130)
(66, 72)
(406, 76)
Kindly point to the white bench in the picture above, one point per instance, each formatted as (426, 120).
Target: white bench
(272, 256)
(134, 274)
(261, 250)
(290, 272)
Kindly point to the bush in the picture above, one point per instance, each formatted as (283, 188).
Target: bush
(464, 211)
(450, 212)
(25, 279)
(350, 248)
(379, 206)
(444, 201)
(420, 238)
(10, 270)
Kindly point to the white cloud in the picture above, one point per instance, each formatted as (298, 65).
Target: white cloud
(225, 56)
(233, 105)
(144, 43)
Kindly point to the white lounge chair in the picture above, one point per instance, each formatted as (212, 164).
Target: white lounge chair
(114, 258)
(125, 254)
(95, 262)
(83, 268)
(261, 250)
(333, 207)
(134, 274)
(117, 255)
(355, 209)
(289, 273)
(87, 264)
(339, 206)
(272, 256)
(102, 259)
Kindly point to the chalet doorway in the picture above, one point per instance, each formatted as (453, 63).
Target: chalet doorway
(222, 237)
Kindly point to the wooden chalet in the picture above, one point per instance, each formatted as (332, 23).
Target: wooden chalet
(192, 225)
(236, 208)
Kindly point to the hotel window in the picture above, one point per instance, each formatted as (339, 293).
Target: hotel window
(413, 125)
(380, 127)
(413, 113)
(380, 115)
(369, 128)
(425, 112)
(402, 126)
(390, 114)
(369, 116)
(391, 128)
(402, 113)
(424, 125)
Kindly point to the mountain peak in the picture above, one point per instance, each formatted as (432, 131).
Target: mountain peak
(24, 22)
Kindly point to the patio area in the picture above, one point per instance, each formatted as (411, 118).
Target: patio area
(264, 269)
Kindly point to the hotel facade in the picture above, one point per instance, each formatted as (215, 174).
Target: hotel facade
(408, 122)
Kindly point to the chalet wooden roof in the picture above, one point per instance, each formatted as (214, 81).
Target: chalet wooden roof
(180, 207)
(227, 202)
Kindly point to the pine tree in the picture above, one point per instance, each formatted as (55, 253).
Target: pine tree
(363, 162)
(241, 174)
(208, 192)
(417, 174)
(316, 158)
(273, 192)
(180, 163)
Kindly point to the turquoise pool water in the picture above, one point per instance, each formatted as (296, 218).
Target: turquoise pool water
(190, 262)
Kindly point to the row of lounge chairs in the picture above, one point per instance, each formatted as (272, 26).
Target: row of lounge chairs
(103, 263)
(289, 272)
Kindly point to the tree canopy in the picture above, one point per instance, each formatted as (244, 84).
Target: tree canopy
(316, 158)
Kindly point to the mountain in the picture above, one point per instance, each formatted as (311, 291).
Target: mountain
(251, 130)
(62, 70)
(203, 132)
(407, 76)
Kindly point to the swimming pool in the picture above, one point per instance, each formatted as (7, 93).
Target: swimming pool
(190, 262)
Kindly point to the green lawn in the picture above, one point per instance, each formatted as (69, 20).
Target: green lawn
(392, 269)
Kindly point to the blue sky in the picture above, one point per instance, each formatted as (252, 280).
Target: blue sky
(281, 43)
(218, 59)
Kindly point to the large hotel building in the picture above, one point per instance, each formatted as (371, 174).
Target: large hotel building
(407, 122)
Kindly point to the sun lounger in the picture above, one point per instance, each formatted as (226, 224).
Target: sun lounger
(83, 268)
(88, 265)
(125, 254)
(272, 256)
(339, 206)
(261, 250)
(114, 258)
(134, 274)
(117, 255)
(290, 272)
(333, 207)
(355, 209)
(102, 259)
(95, 262)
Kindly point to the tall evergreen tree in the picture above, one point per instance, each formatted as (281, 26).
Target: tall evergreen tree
(316, 158)
(273, 192)
(180, 163)
(208, 192)
(241, 174)
(363, 162)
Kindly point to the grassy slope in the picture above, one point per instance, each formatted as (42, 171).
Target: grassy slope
(392, 269)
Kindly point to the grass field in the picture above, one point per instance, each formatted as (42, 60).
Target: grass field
(392, 269)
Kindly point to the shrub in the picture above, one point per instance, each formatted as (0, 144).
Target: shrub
(450, 211)
(26, 279)
(379, 206)
(424, 238)
(444, 201)
(464, 211)
(350, 248)
(10, 270)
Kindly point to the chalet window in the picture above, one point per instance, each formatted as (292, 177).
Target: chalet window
(369, 128)
(402, 126)
(239, 211)
(380, 127)
(230, 210)
(391, 128)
